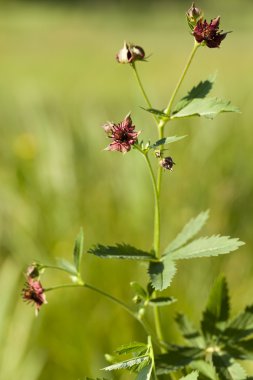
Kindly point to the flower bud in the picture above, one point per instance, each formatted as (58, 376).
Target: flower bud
(130, 53)
(193, 16)
(167, 163)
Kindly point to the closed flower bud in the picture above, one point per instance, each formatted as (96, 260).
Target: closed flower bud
(167, 163)
(130, 53)
(193, 15)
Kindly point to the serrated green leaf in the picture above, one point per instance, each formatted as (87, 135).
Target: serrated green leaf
(227, 368)
(177, 357)
(189, 332)
(217, 309)
(126, 364)
(207, 247)
(145, 373)
(191, 376)
(67, 266)
(207, 369)
(238, 351)
(160, 114)
(207, 107)
(139, 290)
(188, 231)
(78, 250)
(166, 140)
(241, 326)
(161, 301)
(131, 348)
(199, 91)
(121, 251)
(161, 273)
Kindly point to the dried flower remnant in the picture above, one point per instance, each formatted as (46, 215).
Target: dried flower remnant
(209, 33)
(122, 134)
(130, 53)
(34, 293)
(193, 15)
(167, 163)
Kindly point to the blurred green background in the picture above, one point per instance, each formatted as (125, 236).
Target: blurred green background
(59, 82)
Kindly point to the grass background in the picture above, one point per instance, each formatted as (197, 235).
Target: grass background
(59, 82)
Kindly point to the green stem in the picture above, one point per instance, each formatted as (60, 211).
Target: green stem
(152, 356)
(130, 311)
(142, 89)
(174, 94)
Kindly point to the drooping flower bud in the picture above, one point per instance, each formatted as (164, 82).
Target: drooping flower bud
(167, 163)
(130, 53)
(33, 292)
(193, 15)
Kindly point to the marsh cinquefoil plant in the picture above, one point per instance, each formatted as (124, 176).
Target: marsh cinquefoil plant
(211, 352)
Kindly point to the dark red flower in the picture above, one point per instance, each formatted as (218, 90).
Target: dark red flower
(130, 53)
(167, 163)
(34, 292)
(122, 134)
(209, 33)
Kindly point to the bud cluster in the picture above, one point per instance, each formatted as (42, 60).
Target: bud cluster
(204, 32)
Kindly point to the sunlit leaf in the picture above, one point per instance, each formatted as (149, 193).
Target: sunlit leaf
(161, 273)
(207, 369)
(188, 231)
(207, 247)
(127, 364)
(192, 376)
(199, 91)
(207, 107)
(121, 251)
(166, 140)
(133, 347)
(78, 250)
(145, 373)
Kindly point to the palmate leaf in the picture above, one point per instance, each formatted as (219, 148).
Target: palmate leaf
(190, 334)
(227, 368)
(166, 140)
(78, 250)
(247, 344)
(208, 107)
(217, 309)
(121, 251)
(199, 91)
(161, 273)
(127, 364)
(145, 373)
(188, 232)
(206, 247)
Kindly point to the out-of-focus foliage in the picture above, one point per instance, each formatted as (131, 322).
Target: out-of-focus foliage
(59, 81)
